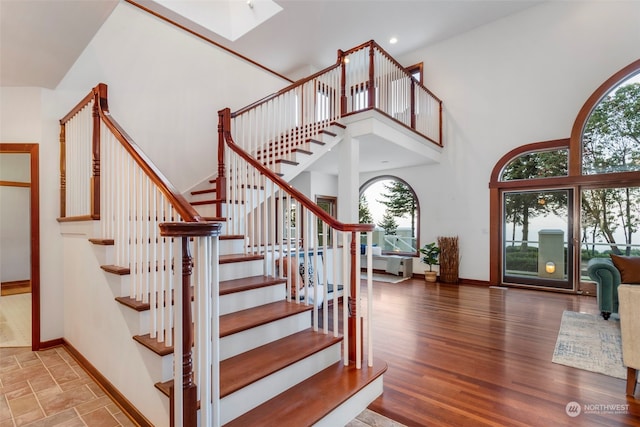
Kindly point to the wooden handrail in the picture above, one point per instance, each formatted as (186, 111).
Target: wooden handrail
(225, 128)
(79, 106)
(186, 211)
(397, 64)
(285, 90)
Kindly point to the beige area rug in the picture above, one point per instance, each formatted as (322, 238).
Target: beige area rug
(370, 418)
(589, 342)
(15, 320)
(388, 278)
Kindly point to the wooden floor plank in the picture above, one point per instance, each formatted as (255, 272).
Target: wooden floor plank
(462, 355)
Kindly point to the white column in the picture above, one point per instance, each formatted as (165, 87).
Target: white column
(348, 180)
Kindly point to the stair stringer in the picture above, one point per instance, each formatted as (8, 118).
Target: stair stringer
(327, 141)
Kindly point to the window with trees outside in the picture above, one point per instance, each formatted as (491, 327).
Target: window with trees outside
(391, 204)
(611, 144)
(537, 237)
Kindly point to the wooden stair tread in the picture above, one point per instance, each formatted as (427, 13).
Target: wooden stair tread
(207, 202)
(328, 132)
(309, 401)
(133, 303)
(248, 283)
(229, 258)
(215, 219)
(315, 141)
(232, 237)
(244, 369)
(152, 344)
(206, 191)
(242, 320)
(102, 242)
(116, 269)
(236, 322)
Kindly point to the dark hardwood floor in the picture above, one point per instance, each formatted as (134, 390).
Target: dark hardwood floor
(462, 355)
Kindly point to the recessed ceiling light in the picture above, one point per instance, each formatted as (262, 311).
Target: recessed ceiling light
(393, 40)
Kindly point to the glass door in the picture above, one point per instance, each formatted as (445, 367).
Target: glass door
(537, 236)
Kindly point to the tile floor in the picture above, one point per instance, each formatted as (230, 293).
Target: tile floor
(48, 388)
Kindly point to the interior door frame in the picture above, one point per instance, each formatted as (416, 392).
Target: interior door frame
(34, 219)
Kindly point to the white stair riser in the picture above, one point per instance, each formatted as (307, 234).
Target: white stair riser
(238, 270)
(252, 298)
(249, 397)
(203, 196)
(350, 409)
(231, 246)
(104, 254)
(240, 342)
(138, 321)
(159, 367)
(208, 210)
(119, 284)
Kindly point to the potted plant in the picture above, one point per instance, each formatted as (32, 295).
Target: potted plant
(430, 253)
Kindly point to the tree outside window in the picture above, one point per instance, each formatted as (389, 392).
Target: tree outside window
(392, 206)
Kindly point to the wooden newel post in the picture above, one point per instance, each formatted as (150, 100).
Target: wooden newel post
(371, 85)
(185, 231)
(95, 158)
(343, 83)
(352, 303)
(224, 125)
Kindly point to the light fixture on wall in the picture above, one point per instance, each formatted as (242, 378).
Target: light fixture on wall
(550, 267)
(250, 4)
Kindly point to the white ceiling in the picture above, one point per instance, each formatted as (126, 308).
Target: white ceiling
(41, 39)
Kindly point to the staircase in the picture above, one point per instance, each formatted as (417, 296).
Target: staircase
(260, 343)
(276, 369)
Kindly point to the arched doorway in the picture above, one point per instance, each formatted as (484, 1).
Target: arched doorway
(391, 204)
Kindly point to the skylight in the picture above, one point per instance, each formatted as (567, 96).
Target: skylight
(229, 18)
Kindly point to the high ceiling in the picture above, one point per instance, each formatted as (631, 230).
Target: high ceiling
(41, 39)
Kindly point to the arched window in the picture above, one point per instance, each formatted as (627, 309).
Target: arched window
(391, 204)
(611, 135)
(557, 204)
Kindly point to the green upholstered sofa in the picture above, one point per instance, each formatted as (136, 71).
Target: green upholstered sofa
(607, 278)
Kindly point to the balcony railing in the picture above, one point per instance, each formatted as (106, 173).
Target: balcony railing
(363, 78)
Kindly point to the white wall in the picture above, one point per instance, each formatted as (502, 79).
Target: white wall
(25, 118)
(165, 89)
(519, 80)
